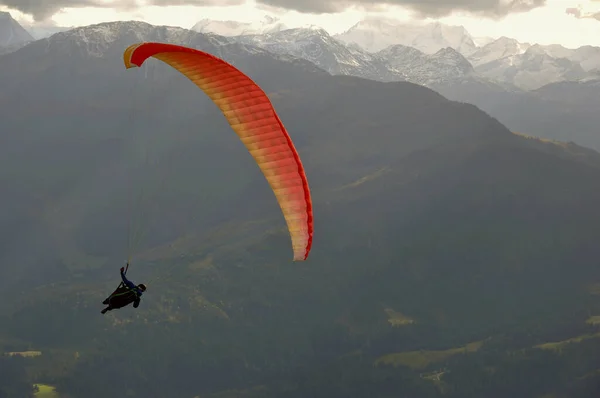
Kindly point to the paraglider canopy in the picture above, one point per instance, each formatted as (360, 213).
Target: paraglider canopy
(252, 116)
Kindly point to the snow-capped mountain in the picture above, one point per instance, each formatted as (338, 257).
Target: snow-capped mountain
(532, 69)
(497, 49)
(375, 34)
(317, 46)
(533, 66)
(504, 60)
(427, 69)
(587, 56)
(102, 45)
(444, 69)
(12, 35)
(97, 40)
(234, 28)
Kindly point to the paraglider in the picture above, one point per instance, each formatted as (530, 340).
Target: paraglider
(252, 116)
(126, 293)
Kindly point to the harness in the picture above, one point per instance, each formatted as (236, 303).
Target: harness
(127, 291)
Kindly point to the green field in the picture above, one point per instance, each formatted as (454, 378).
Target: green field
(46, 391)
(25, 354)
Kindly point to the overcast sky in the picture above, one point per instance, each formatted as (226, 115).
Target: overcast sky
(568, 22)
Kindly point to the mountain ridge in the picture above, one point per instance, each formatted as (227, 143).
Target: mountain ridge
(12, 34)
(430, 38)
(517, 69)
(526, 112)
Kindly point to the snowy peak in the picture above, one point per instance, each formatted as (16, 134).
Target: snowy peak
(394, 63)
(11, 33)
(501, 48)
(375, 34)
(235, 28)
(558, 51)
(314, 44)
(587, 56)
(110, 39)
(96, 40)
(105, 42)
(538, 50)
(531, 69)
(505, 60)
(450, 57)
(400, 51)
(446, 65)
(532, 66)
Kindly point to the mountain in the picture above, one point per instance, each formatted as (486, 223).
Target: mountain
(396, 63)
(452, 75)
(504, 60)
(529, 70)
(452, 258)
(234, 28)
(581, 94)
(587, 56)
(375, 34)
(317, 46)
(572, 106)
(12, 35)
(501, 48)
(447, 65)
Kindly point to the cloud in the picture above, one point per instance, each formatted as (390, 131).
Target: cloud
(580, 14)
(592, 16)
(425, 8)
(576, 12)
(43, 9)
(221, 3)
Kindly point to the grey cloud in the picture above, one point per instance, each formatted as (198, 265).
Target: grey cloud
(195, 2)
(43, 9)
(596, 15)
(429, 8)
(576, 12)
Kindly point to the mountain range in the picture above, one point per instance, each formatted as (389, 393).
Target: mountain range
(502, 61)
(452, 257)
(487, 76)
(533, 112)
